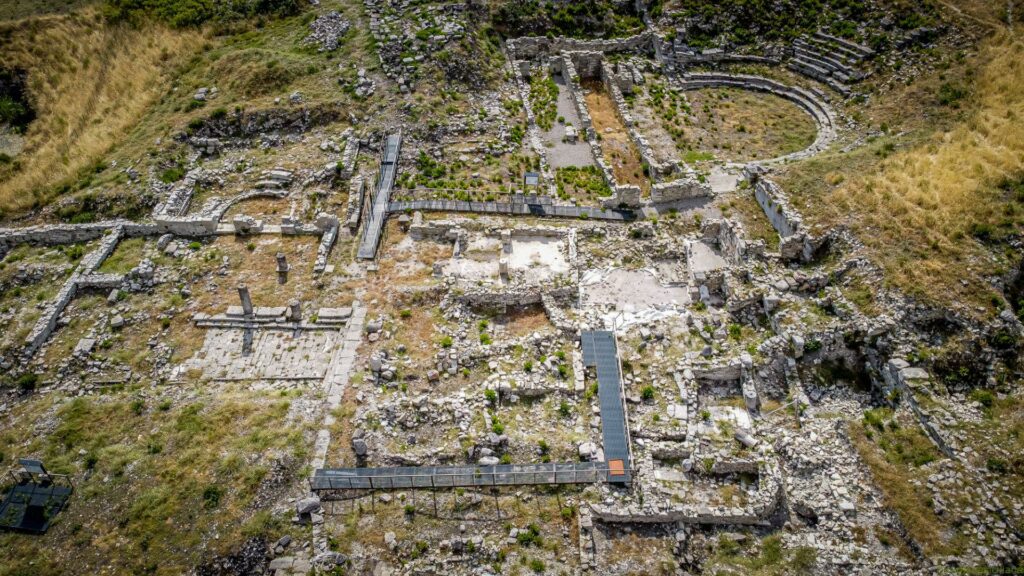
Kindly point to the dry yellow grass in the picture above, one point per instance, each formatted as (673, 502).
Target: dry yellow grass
(89, 82)
(619, 149)
(915, 213)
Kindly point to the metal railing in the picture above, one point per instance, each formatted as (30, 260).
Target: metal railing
(465, 477)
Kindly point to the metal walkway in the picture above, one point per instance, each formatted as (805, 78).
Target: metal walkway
(327, 479)
(515, 209)
(600, 350)
(374, 227)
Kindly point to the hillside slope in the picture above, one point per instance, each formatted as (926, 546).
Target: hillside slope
(89, 81)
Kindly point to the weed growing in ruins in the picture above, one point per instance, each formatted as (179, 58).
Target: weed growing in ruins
(530, 536)
(543, 96)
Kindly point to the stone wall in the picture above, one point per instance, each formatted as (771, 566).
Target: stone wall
(58, 234)
(681, 189)
(520, 70)
(356, 191)
(611, 85)
(530, 47)
(622, 194)
(657, 508)
(912, 385)
(775, 203)
(180, 198)
(730, 238)
(795, 243)
(329, 224)
(347, 165)
(216, 209)
(90, 262)
(516, 297)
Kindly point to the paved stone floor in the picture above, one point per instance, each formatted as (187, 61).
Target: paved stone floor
(561, 154)
(276, 354)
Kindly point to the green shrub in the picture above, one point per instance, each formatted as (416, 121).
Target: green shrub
(647, 393)
(446, 342)
(27, 382)
(172, 174)
(212, 496)
(951, 94)
(530, 536)
(997, 465)
(984, 397)
(10, 110)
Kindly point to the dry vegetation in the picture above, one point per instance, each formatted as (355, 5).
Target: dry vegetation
(932, 208)
(90, 82)
(164, 478)
(739, 125)
(16, 9)
(618, 148)
(910, 501)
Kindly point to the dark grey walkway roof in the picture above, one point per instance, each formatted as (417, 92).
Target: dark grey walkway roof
(31, 506)
(600, 351)
(515, 209)
(374, 226)
(457, 476)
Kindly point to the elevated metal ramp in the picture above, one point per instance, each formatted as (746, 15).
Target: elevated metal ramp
(601, 352)
(514, 209)
(398, 478)
(374, 227)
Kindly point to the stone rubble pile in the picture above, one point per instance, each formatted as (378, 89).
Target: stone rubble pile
(327, 31)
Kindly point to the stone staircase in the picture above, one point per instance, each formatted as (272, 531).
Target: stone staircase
(829, 59)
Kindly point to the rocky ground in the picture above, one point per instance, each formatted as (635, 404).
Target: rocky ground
(194, 364)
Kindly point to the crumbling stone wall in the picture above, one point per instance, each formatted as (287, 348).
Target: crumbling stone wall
(795, 243)
(622, 194)
(79, 278)
(681, 189)
(529, 47)
(611, 85)
(655, 508)
(729, 236)
(775, 203)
